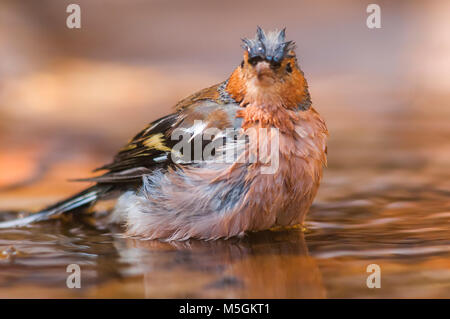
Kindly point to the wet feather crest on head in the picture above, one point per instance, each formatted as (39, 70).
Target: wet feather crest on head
(272, 46)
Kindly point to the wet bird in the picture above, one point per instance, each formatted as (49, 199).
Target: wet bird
(164, 192)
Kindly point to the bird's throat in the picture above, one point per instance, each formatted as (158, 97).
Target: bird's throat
(250, 90)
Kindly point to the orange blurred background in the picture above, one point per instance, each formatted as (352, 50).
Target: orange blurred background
(69, 98)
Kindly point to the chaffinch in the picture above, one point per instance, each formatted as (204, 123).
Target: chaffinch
(176, 179)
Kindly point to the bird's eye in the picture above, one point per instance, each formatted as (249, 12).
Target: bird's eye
(289, 68)
(255, 60)
(275, 65)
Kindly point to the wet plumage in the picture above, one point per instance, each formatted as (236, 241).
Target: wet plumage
(212, 197)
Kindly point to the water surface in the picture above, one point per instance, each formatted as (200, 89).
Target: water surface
(70, 98)
(382, 201)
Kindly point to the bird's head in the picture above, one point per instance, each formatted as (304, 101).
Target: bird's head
(269, 72)
(268, 58)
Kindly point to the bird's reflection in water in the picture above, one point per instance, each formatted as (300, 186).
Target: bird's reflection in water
(261, 265)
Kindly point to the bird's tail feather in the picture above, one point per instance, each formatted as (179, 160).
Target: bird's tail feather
(82, 199)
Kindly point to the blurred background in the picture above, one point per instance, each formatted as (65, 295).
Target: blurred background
(76, 95)
(69, 98)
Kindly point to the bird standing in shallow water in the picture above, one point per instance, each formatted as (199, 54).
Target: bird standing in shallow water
(266, 103)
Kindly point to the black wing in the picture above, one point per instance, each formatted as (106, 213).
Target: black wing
(148, 150)
(152, 148)
(147, 147)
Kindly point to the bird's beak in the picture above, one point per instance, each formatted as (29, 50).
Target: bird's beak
(263, 68)
(264, 73)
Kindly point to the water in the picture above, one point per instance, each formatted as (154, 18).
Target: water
(385, 200)
(68, 103)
